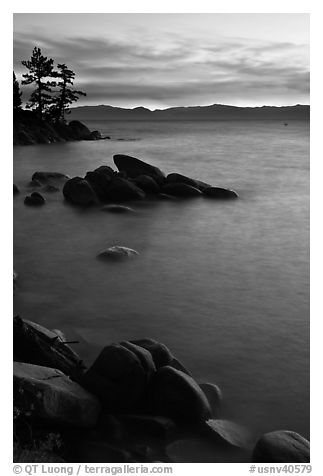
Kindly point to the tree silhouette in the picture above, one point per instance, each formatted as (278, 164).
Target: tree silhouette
(66, 95)
(16, 94)
(40, 69)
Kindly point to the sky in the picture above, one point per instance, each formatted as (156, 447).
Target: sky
(167, 60)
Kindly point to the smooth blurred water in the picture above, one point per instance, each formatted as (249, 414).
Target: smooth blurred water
(224, 284)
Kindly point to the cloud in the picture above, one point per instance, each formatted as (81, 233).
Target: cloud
(176, 71)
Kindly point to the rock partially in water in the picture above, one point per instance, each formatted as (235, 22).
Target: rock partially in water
(214, 396)
(176, 364)
(78, 131)
(144, 356)
(282, 447)
(178, 396)
(35, 199)
(181, 190)
(118, 253)
(117, 209)
(160, 353)
(147, 184)
(179, 178)
(122, 190)
(50, 395)
(100, 183)
(79, 192)
(220, 193)
(50, 188)
(34, 183)
(15, 189)
(94, 135)
(230, 432)
(136, 167)
(105, 170)
(118, 378)
(46, 177)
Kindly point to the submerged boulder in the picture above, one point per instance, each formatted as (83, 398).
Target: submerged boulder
(282, 447)
(79, 192)
(118, 378)
(48, 394)
(49, 176)
(176, 394)
(181, 190)
(136, 167)
(35, 199)
(117, 209)
(221, 193)
(118, 253)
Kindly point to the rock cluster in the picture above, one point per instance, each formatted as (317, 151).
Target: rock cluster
(136, 180)
(135, 403)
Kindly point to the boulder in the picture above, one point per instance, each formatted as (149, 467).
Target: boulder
(34, 344)
(50, 395)
(86, 450)
(149, 424)
(136, 167)
(78, 131)
(229, 432)
(282, 447)
(143, 355)
(34, 183)
(50, 188)
(105, 170)
(121, 190)
(179, 178)
(147, 184)
(15, 189)
(79, 192)
(46, 177)
(94, 135)
(118, 253)
(160, 353)
(177, 395)
(117, 209)
(118, 378)
(214, 396)
(176, 364)
(181, 190)
(220, 193)
(35, 199)
(100, 183)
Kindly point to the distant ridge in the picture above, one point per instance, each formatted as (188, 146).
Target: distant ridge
(191, 113)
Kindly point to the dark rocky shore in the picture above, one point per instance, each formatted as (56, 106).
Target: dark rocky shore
(28, 130)
(137, 402)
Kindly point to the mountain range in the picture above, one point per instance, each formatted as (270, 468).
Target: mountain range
(192, 113)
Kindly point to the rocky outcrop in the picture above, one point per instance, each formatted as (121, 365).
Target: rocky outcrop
(282, 447)
(134, 168)
(49, 395)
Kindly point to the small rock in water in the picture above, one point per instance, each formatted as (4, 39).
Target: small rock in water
(220, 193)
(118, 253)
(282, 447)
(15, 189)
(117, 209)
(34, 199)
(34, 183)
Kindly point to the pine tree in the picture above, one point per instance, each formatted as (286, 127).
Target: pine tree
(16, 94)
(40, 69)
(66, 95)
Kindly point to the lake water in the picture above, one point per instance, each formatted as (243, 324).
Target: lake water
(224, 284)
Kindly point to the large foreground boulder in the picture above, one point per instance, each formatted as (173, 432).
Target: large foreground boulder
(118, 377)
(182, 190)
(282, 447)
(48, 394)
(135, 167)
(79, 192)
(177, 395)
